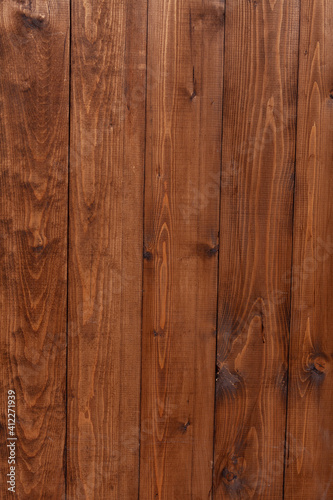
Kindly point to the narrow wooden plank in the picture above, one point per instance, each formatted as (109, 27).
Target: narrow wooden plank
(185, 51)
(309, 461)
(33, 242)
(105, 261)
(258, 156)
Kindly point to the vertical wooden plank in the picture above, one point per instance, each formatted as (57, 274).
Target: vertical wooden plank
(33, 242)
(309, 461)
(105, 261)
(258, 155)
(185, 42)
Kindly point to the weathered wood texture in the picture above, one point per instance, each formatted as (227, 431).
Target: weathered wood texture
(182, 184)
(105, 256)
(309, 460)
(33, 241)
(181, 150)
(258, 155)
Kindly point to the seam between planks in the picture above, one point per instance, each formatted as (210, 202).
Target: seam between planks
(292, 262)
(218, 256)
(68, 233)
(143, 241)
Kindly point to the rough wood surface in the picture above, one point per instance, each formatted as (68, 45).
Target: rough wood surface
(169, 163)
(258, 155)
(309, 460)
(182, 183)
(33, 241)
(105, 255)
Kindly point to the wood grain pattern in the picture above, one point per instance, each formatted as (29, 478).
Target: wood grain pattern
(105, 260)
(169, 163)
(309, 464)
(33, 241)
(182, 184)
(258, 156)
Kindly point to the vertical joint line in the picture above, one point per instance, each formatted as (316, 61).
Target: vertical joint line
(292, 263)
(68, 234)
(143, 241)
(218, 257)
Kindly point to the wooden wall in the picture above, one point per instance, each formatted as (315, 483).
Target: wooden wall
(166, 249)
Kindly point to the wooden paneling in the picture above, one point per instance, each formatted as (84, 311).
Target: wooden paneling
(105, 255)
(258, 155)
(166, 248)
(182, 184)
(34, 41)
(309, 461)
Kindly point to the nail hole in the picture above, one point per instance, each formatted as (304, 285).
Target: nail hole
(147, 255)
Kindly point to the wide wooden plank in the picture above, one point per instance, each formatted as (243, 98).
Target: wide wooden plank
(184, 94)
(258, 156)
(34, 40)
(309, 460)
(105, 255)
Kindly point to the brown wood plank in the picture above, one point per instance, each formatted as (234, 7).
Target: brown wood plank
(309, 460)
(34, 41)
(105, 260)
(184, 94)
(258, 156)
